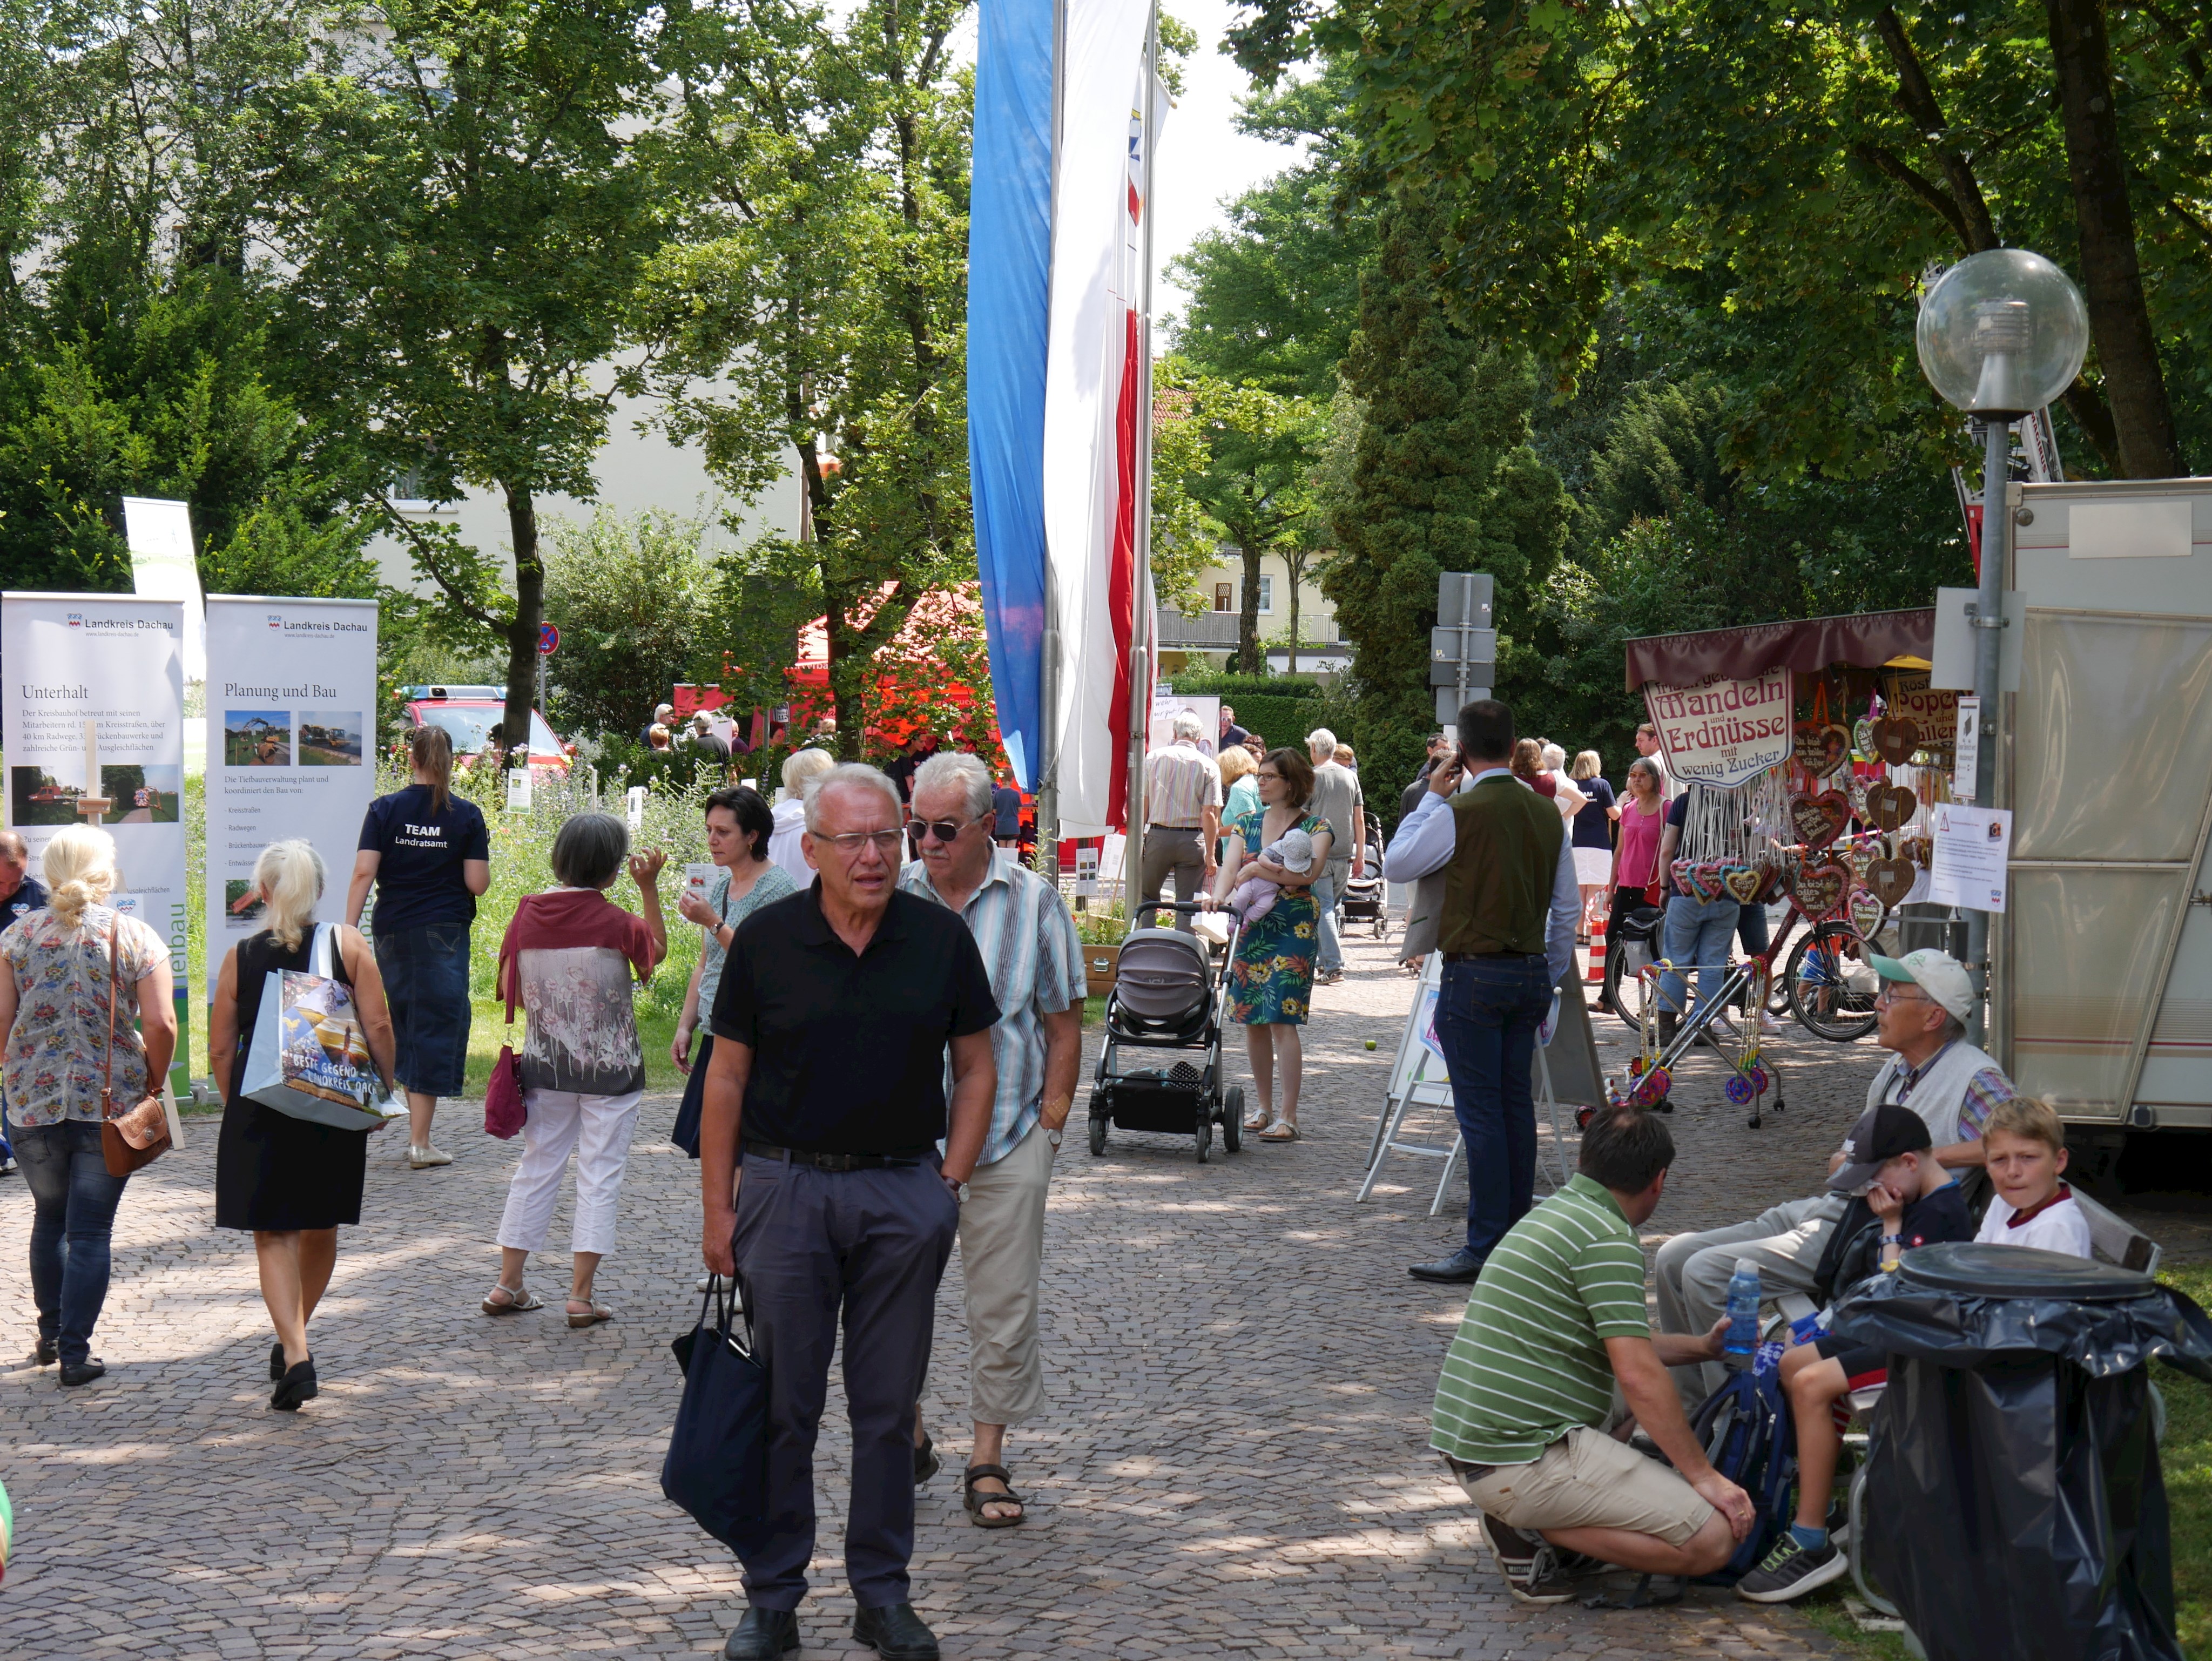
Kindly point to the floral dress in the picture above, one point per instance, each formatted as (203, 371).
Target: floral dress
(55, 1053)
(1271, 977)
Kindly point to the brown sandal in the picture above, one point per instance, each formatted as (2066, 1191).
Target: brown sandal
(975, 1501)
(595, 1312)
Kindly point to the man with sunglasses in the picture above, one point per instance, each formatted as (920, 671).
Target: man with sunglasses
(1921, 1019)
(836, 1010)
(1035, 958)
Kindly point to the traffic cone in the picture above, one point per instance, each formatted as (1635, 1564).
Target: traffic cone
(1596, 975)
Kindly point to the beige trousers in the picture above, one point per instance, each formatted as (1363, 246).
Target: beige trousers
(1001, 1256)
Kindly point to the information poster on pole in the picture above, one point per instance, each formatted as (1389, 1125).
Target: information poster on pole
(291, 720)
(92, 722)
(1972, 845)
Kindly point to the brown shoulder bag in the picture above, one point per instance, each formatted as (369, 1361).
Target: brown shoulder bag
(140, 1135)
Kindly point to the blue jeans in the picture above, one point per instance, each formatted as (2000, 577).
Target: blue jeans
(1328, 950)
(73, 1211)
(1487, 1013)
(1697, 936)
(1751, 929)
(426, 982)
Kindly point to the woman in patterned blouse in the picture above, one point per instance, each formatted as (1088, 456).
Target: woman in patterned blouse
(54, 1013)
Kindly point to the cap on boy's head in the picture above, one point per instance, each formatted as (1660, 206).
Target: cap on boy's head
(1882, 1134)
(1939, 974)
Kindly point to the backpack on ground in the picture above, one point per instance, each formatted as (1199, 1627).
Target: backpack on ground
(1747, 1431)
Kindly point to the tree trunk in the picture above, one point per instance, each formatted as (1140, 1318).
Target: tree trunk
(529, 611)
(2119, 317)
(1247, 620)
(845, 699)
(1290, 665)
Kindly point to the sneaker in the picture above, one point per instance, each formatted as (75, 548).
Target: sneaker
(422, 1159)
(1530, 1566)
(7, 1167)
(1327, 977)
(1790, 1571)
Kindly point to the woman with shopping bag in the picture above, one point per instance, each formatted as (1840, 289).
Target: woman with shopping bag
(99, 1032)
(294, 1005)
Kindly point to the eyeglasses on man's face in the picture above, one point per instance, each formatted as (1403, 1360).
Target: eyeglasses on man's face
(849, 845)
(1892, 993)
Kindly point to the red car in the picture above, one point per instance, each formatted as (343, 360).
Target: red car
(467, 714)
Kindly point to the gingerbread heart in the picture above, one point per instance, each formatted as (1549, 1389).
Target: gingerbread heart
(1890, 805)
(1822, 749)
(1819, 819)
(1866, 911)
(1919, 850)
(1863, 736)
(1895, 739)
(1818, 889)
(1891, 880)
(1745, 882)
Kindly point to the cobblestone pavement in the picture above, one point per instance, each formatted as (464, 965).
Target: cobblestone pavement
(1233, 1460)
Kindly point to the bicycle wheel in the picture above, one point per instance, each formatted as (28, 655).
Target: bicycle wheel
(1624, 985)
(1831, 987)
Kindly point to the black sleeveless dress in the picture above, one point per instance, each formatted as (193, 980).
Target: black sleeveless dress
(271, 1170)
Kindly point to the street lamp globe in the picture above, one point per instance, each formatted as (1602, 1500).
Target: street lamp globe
(2002, 333)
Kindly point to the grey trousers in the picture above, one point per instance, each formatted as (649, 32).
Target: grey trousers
(1001, 1258)
(1169, 848)
(873, 1245)
(1784, 1240)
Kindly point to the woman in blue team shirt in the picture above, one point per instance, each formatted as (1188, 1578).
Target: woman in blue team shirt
(429, 854)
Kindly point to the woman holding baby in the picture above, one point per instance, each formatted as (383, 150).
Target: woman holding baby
(1282, 847)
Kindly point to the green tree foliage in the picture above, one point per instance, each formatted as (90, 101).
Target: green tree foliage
(631, 598)
(816, 306)
(1793, 172)
(467, 206)
(1443, 480)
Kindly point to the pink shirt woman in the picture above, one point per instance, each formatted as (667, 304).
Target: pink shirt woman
(1642, 817)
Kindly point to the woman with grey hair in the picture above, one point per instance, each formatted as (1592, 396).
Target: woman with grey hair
(567, 958)
(783, 849)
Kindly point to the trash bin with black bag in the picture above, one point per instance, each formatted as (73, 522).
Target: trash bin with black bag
(717, 1464)
(2014, 1502)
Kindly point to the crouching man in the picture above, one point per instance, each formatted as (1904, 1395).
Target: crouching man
(1555, 1326)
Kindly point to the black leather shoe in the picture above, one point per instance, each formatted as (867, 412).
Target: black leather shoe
(276, 1362)
(48, 1352)
(297, 1385)
(762, 1635)
(896, 1633)
(83, 1372)
(1457, 1270)
(927, 1460)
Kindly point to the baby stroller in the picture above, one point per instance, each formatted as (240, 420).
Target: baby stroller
(1166, 997)
(1363, 901)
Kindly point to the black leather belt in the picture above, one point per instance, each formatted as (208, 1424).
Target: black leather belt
(833, 1162)
(1487, 957)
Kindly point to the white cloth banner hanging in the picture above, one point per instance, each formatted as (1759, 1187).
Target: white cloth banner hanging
(1721, 730)
(1093, 380)
(164, 566)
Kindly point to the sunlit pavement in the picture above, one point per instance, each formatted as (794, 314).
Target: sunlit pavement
(1232, 1461)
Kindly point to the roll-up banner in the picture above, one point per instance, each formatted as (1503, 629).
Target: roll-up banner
(92, 726)
(291, 721)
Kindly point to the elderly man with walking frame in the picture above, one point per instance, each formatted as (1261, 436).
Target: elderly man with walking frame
(1034, 960)
(836, 1011)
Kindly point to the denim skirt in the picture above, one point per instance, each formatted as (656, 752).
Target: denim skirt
(426, 982)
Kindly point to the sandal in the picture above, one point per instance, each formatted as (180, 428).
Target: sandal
(1281, 1130)
(1256, 1120)
(927, 1460)
(595, 1312)
(519, 1300)
(976, 1502)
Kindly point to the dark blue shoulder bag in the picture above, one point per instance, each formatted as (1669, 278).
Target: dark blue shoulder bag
(717, 1464)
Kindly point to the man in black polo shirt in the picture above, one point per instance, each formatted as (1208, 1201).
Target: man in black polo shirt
(835, 1012)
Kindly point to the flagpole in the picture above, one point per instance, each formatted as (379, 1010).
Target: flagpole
(1048, 772)
(1144, 623)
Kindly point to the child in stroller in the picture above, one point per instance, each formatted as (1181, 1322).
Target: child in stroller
(1363, 901)
(1253, 897)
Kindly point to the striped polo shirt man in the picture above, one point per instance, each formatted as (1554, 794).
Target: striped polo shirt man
(1529, 1364)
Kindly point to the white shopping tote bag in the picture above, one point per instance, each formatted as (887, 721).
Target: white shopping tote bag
(309, 1056)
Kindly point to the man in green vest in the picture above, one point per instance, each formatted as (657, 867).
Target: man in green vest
(1507, 932)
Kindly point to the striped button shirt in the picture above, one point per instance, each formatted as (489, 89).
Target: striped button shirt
(1034, 960)
(1180, 782)
(1528, 1363)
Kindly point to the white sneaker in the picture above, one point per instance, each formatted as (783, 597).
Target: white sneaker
(421, 1158)
(712, 1283)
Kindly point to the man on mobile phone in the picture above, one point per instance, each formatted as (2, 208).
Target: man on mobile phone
(1506, 927)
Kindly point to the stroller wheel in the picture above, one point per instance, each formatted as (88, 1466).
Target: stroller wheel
(1205, 1133)
(1232, 1119)
(1099, 1104)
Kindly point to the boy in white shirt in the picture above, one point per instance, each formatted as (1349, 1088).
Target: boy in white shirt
(2027, 1149)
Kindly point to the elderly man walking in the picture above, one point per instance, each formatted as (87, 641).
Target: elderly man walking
(1338, 803)
(1183, 801)
(1034, 960)
(836, 1011)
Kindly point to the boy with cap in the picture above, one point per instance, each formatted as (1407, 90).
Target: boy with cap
(1901, 1197)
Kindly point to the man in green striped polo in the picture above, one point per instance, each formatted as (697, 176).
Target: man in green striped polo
(1555, 1327)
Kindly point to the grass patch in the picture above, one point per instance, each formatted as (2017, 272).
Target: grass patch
(2185, 1458)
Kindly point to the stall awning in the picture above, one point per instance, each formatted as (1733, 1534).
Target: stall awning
(1865, 639)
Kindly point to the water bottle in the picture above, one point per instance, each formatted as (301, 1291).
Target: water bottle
(1743, 1313)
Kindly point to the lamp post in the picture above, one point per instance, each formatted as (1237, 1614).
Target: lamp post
(2000, 335)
